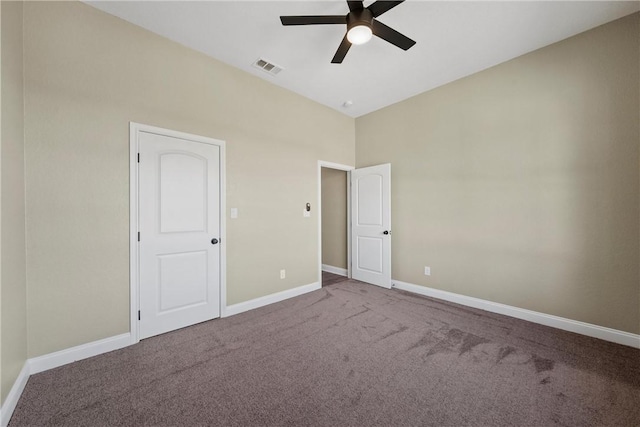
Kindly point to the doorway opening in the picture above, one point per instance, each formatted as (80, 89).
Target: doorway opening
(333, 223)
(368, 224)
(335, 255)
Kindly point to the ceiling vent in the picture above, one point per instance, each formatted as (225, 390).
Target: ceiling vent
(267, 67)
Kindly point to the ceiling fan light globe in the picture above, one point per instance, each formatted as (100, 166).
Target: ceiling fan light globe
(360, 34)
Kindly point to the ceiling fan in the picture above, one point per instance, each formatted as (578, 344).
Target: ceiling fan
(361, 26)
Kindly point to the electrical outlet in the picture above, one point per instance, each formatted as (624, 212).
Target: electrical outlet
(283, 274)
(427, 271)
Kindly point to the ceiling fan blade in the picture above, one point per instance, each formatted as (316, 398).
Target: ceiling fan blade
(391, 35)
(380, 7)
(313, 20)
(342, 51)
(355, 5)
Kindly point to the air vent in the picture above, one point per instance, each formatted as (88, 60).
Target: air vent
(267, 67)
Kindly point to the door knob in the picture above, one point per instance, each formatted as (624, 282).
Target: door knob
(386, 232)
(214, 241)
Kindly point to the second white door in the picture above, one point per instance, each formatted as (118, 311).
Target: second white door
(371, 225)
(179, 224)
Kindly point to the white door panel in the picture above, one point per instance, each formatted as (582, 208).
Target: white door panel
(371, 225)
(370, 207)
(183, 192)
(179, 215)
(174, 291)
(370, 251)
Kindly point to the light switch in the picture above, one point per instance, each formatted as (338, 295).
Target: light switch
(234, 213)
(306, 213)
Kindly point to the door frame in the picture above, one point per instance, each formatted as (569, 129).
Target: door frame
(347, 169)
(134, 257)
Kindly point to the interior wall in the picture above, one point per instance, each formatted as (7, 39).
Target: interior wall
(334, 217)
(87, 75)
(1, 382)
(520, 184)
(13, 288)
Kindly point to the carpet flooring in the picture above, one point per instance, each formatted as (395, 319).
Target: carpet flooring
(350, 354)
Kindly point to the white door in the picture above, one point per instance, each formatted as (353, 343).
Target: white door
(371, 225)
(179, 224)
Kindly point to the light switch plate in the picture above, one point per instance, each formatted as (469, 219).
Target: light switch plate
(234, 213)
(306, 213)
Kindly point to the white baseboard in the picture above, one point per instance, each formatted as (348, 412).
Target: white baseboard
(63, 357)
(269, 299)
(334, 270)
(578, 327)
(14, 395)
(53, 360)
(69, 355)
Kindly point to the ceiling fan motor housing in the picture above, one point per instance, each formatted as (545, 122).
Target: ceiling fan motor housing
(359, 17)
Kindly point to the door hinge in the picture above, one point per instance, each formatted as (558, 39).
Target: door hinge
(138, 314)
(138, 157)
(138, 236)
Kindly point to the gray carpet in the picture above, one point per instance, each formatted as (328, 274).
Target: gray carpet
(349, 354)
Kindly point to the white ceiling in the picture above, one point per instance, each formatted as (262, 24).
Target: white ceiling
(454, 39)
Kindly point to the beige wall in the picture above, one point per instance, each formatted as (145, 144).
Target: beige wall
(334, 217)
(1, 379)
(87, 74)
(13, 288)
(13, 274)
(519, 184)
